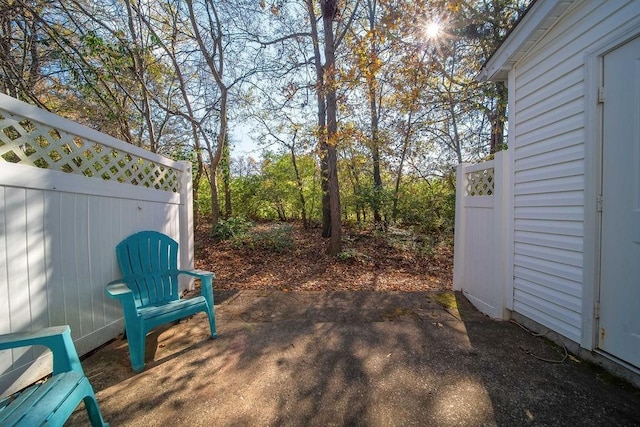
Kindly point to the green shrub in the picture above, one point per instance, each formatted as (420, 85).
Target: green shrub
(278, 238)
(428, 208)
(347, 255)
(351, 256)
(232, 228)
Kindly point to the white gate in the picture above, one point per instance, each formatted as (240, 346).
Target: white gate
(68, 195)
(482, 254)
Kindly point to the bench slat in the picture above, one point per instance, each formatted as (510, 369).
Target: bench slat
(37, 404)
(54, 400)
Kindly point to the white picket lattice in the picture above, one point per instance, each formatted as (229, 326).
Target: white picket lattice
(480, 183)
(26, 141)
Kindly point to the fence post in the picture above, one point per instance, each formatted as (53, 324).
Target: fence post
(502, 223)
(186, 223)
(459, 230)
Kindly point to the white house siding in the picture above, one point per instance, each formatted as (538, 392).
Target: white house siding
(548, 138)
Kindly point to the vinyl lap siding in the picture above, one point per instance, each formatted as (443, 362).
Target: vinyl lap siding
(549, 167)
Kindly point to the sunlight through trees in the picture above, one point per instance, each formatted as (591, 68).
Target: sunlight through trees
(359, 109)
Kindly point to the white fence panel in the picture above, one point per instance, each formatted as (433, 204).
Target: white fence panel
(68, 196)
(481, 251)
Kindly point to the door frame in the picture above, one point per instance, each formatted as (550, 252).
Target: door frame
(594, 111)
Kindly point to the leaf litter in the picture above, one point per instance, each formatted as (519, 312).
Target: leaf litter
(370, 261)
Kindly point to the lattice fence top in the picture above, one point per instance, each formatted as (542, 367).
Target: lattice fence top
(28, 142)
(480, 183)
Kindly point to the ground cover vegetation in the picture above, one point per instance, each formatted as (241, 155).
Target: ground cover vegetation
(358, 110)
(288, 257)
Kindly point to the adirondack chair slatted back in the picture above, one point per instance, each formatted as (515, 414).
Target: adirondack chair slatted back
(149, 264)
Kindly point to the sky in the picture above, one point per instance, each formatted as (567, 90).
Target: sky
(243, 143)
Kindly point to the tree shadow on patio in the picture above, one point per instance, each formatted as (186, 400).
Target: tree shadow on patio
(338, 358)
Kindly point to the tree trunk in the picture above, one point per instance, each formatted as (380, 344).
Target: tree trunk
(355, 184)
(303, 205)
(215, 156)
(403, 156)
(329, 13)
(375, 157)
(322, 122)
(225, 165)
(215, 204)
(497, 119)
(372, 86)
(335, 243)
(197, 177)
(214, 57)
(215, 160)
(324, 186)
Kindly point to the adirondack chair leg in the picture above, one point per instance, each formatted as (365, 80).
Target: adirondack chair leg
(212, 325)
(207, 291)
(136, 341)
(93, 410)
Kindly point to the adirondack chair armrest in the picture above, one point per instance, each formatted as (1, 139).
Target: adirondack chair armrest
(56, 338)
(200, 274)
(118, 289)
(206, 288)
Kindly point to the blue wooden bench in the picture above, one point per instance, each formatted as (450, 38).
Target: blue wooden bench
(53, 401)
(148, 290)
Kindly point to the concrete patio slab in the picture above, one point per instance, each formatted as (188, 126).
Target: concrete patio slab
(352, 358)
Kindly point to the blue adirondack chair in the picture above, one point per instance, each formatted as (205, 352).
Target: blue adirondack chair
(148, 290)
(53, 401)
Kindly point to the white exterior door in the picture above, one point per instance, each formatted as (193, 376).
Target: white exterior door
(619, 323)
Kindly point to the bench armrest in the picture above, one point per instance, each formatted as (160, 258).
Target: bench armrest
(56, 338)
(26, 338)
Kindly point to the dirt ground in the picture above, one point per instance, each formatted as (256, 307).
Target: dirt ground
(391, 261)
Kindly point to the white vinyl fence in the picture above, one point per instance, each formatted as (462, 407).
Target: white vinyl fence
(482, 260)
(68, 196)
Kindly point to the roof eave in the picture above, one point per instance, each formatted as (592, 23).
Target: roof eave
(542, 15)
